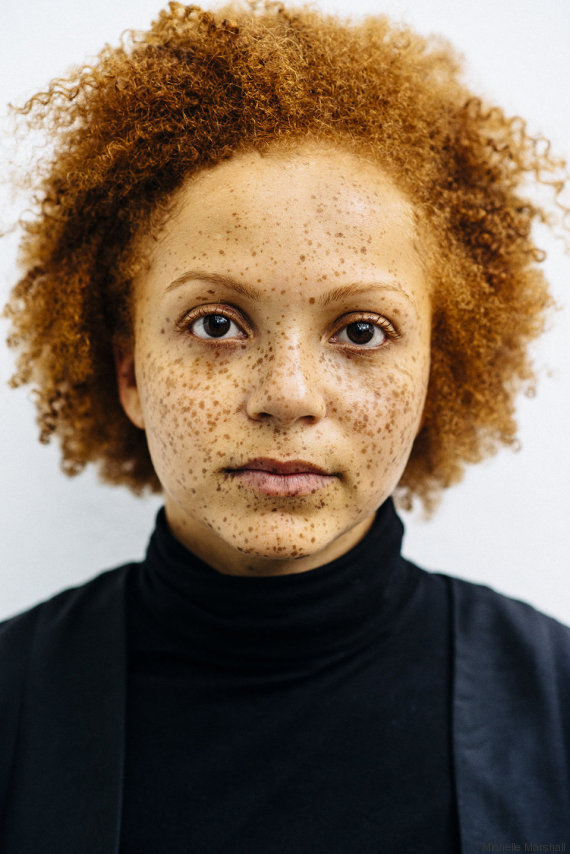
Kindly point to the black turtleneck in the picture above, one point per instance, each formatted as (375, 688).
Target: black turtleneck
(301, 714)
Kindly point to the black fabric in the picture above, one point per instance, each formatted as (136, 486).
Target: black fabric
(63, 674)
(62, 702)
(303, 713)
(511, 716)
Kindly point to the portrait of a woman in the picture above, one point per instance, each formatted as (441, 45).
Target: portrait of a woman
(282, 272)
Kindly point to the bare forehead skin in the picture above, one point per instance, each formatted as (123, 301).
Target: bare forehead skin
(303, 176)
(316, 202)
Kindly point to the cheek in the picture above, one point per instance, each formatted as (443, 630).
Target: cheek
(382, 420)
(185, 404)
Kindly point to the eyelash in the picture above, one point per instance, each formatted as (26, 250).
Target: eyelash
(203, 311)
(187, 321)
(375, 320)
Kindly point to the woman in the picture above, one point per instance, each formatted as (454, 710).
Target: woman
(282, 270)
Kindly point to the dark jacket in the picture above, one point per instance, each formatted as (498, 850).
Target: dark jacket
(62, 707)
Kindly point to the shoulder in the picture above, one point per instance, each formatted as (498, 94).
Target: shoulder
(481, 613)
(21, 634)
(60, 644)
(511, 660)
(102, 584)
(497, 637)
(66, 652)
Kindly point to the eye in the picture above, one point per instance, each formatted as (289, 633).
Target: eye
(214, 325)
(366, 333)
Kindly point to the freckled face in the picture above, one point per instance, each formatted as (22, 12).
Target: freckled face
(281, 357)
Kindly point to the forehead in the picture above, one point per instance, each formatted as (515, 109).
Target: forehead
(339, 181)
(276, 187)
(304, 216)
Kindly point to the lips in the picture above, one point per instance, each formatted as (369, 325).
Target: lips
(282, 468)
(278, 478)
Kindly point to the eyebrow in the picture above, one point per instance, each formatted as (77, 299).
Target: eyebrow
(256, 294)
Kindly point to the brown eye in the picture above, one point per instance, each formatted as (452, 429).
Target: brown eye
(215, 326)
(360, 333)
(363, 333)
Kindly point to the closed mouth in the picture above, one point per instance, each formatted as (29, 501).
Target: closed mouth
(284, 468)
(282, 479)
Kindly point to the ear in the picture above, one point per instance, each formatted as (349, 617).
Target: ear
(127, 383)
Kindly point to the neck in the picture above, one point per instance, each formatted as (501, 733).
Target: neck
(298, 619)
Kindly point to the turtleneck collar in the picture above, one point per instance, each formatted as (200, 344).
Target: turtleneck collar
(243, 623)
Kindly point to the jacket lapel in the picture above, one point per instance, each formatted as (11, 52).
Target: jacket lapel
(67, 784)
(510, 722)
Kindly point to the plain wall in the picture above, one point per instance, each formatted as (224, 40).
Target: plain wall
(507, 524)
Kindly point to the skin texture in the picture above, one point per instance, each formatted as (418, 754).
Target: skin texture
(285, 381)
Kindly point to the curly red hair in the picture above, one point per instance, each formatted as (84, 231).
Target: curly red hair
(200, 86)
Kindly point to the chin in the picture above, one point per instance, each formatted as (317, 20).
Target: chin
(276, 551)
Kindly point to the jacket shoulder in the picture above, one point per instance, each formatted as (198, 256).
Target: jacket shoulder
(16, 632)
(482, 614)
(56, 619)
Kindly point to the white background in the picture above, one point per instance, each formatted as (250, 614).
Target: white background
(507, 525)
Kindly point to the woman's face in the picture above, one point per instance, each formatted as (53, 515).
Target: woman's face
(281, 359)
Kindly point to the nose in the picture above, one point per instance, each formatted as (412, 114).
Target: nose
(286, 387)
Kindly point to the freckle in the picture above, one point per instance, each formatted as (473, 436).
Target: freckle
(312, 301)
(302, 257)
(363, 250)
